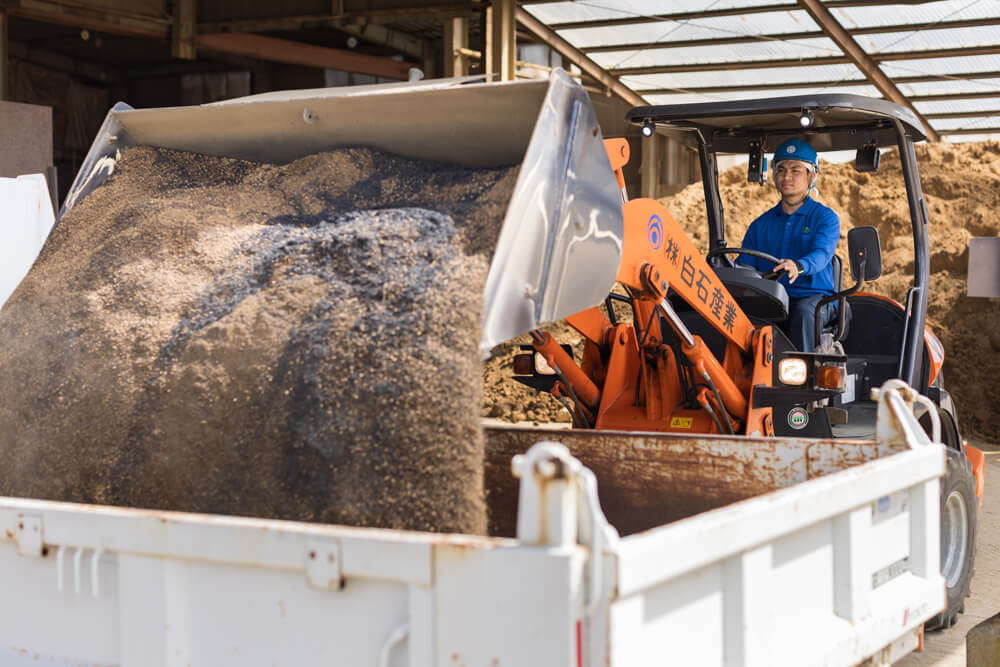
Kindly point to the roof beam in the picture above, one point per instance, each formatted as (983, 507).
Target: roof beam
(989, 113)
(574, 55)
(731, 65)
(347, 15)
(689, 16)
(970, 130)
(78, 16)
(946, 97)
(792, 36)
(298, 53)
(808, 62)
(862, 60)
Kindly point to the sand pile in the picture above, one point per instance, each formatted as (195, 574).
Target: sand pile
(961, 184)
(294, 341)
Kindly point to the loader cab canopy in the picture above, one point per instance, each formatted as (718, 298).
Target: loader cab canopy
(835, 122)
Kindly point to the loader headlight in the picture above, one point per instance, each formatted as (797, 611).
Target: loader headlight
(792, 371)
(532, 363)
(648, 127)
(541, 366)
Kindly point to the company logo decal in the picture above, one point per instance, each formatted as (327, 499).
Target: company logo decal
(654, 232)
(798, 418)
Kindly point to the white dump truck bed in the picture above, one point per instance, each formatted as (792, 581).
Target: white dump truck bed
(836, 563)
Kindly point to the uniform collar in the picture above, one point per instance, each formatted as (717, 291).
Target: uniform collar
(805, 208)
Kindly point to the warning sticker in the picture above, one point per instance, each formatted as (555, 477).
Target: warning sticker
(681, 422)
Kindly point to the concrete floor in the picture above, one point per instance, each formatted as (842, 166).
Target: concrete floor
(946, 648)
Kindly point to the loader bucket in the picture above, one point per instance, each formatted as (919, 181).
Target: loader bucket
(560, 246)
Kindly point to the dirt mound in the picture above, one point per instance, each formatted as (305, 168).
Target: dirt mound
(961, 184)
(213, 335)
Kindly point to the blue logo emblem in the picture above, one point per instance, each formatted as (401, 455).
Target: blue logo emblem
(654, 232)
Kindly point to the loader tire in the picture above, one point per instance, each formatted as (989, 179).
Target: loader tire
(959, 516)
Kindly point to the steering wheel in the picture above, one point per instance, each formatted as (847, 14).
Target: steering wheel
(771, 275)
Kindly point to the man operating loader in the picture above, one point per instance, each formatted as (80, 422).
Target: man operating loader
(804, 233)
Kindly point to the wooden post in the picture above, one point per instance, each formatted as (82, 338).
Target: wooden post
(456, 37)
(501, 51)
(182, 36)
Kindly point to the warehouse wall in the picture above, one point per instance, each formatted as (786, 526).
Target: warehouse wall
(25, 139)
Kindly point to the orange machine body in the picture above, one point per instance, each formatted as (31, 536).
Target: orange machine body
(629, 378)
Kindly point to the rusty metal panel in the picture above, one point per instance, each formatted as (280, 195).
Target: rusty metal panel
(646, 480)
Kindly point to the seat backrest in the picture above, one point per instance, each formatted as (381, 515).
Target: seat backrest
(838, 273)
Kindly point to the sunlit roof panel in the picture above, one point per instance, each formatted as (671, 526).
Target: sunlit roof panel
(578, 10)
(941, 66)
(950, 87)
(846, 73)
(638, 33)
(679, 31)
(722, 53)
(875, 15)
(987, 106)
(590, 10)
(928, 40)
(981, 122)
(568, 12)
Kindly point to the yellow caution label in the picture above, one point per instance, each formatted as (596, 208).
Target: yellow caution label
(681, 422)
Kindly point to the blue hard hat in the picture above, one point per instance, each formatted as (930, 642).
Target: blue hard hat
(796, 149)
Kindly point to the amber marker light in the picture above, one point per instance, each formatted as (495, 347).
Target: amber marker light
(829, 377)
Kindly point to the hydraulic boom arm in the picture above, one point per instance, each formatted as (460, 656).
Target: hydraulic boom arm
(642, 380)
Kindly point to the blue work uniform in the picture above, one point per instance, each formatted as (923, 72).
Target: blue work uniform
(808, 236)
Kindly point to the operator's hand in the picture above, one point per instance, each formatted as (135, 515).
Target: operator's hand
(790, 266)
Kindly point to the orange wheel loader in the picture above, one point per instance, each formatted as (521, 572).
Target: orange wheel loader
(699, 350)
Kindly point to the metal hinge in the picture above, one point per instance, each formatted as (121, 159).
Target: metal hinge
(323, 565)
(29, 535)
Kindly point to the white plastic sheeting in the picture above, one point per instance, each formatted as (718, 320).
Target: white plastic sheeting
(26, 218)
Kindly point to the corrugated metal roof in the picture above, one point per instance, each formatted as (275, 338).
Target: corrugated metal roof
(945, 55)
(695, 80)
(883, 14)
(764, 50)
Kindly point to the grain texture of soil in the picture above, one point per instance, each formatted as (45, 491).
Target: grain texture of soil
(287, 341)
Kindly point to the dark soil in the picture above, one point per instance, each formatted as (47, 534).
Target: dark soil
(296, 342)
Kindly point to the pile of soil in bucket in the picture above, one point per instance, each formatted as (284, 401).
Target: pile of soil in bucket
(961, 185)
(297, 341)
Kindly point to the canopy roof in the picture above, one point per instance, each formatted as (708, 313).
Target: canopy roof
(940, 58)
(837, 122)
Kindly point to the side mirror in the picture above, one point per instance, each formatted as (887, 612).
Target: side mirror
(866, 159)
(865, 253)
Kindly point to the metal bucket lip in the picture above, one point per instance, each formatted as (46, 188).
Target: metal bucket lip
(358, 91)
(274, 127)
